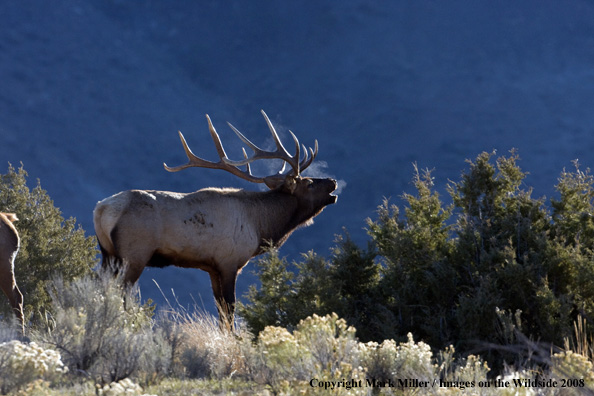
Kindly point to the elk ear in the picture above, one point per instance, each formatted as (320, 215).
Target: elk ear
(288, 183)
(291, 184)
(273, 182)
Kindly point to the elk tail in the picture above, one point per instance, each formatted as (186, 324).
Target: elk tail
(105, 221)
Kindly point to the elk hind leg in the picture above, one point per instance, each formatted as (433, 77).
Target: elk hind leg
(15, 297)
(17, 306)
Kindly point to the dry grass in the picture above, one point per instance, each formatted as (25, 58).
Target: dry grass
(201, 346)
(208, 359)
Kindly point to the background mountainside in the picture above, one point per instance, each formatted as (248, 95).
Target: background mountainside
(92, 94)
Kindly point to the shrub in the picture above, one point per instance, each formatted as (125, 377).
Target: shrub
(570, 366)
(22, 364)
(125, 387)
(10, 329)
(327, 342)
(346, 284)
(49, 244)
(320, 348)
(418, 286)
(102, 330)
(271, 304)
(200, 348)
(390, 360)
(276, 359)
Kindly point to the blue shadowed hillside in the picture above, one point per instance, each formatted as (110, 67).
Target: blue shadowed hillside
(92, 95)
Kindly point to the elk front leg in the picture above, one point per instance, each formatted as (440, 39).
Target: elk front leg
(223, 288)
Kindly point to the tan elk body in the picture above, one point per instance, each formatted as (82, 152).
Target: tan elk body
(9, 247)
(216, 230)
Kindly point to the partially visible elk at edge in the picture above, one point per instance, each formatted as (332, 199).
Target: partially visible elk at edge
(9, 247)
(213, 229)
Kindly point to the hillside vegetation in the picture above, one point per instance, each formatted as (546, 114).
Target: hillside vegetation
(491, 293)
(474, 273)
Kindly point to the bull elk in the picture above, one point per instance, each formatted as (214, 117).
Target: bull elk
(9, 247)
(217, 230)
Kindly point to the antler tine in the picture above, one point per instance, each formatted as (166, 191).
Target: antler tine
(247, 166)
(279, 153)
(279, 144)
(245, 140)
(307, 162)
(296, 166)
(258, 152)
(305, 156)
(192, 159)
(195, 161)
(216, 139)
(291, 160)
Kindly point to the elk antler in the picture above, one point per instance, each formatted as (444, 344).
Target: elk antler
(297, 164)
